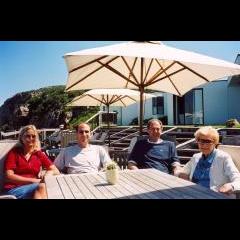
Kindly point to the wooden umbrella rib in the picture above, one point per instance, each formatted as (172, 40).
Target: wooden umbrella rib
(88, 63)
(98, 100)
(117, 72)
(159, 79)
(97, 69)
(104, 100)
(131, 69)
(194, 72)
(123, 103)
(113, 99)
(144, 80)
(130, 98)
(169, 78)
(133, 66)
(118, 97)
(159, 72)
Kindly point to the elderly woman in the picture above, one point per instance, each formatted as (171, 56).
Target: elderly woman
(211, 168)
(23, 165)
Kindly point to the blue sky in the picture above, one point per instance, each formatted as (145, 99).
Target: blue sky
(28, 65)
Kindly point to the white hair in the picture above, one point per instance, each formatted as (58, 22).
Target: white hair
(208, 131)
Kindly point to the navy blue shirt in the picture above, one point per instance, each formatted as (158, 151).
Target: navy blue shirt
(150, 155)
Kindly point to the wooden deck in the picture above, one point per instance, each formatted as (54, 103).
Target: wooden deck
(135, 184)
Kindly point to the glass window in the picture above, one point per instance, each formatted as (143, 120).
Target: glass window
(158, 105)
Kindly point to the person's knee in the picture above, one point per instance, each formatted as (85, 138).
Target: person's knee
(41, 187)
(40, 193)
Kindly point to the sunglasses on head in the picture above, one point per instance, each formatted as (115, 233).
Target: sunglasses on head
(204, 141)
(83, 131)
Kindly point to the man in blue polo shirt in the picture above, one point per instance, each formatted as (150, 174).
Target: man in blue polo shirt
(154, 152)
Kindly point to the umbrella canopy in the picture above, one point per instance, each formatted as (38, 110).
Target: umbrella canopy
(108, 97)
(143, 65)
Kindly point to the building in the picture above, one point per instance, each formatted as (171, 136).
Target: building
(209, 104)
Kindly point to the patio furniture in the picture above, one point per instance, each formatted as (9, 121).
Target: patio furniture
(231, 140)
(132, 184)
(234, 151)
(5, 147)
(120, 157)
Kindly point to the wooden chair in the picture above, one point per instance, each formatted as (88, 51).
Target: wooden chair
(120, 157)
(5, 147)
(101, 140)
(234, 151)
(231, 140)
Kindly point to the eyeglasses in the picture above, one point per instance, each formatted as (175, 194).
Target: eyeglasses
(155, 129)
(30, 136)
(83, 131)
(204, 141)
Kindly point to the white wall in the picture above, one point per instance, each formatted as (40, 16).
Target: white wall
(126, 115)
(132, 111)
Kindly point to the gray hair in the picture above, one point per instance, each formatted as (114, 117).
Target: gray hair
(154, 120)
(208, 131)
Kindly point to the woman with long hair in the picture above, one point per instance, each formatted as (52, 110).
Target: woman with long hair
(23, 165)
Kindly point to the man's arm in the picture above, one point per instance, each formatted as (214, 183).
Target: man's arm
(104, 157)
(133, 157)
(59, 161)
(176, 166)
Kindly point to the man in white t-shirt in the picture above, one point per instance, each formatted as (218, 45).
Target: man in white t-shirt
(82, 157)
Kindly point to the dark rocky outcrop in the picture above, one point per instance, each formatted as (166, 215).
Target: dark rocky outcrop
(44, 107)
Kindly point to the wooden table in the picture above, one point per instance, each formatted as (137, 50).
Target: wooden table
(134, 184)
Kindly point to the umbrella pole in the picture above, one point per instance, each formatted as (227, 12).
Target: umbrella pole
(141, 89)
(108, 125)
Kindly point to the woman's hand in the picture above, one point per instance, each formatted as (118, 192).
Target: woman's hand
(226, 188)
(35, 180)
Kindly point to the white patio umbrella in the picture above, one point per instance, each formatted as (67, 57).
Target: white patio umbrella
(143, 65)
(109, 97)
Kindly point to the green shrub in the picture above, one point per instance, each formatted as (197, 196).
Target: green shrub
(111, 166)
(232, 123)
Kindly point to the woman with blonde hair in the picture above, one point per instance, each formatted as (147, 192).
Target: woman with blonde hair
(23, 165)
(211, 168)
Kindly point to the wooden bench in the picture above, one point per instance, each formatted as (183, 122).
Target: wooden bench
(5, 147)
(234, 152)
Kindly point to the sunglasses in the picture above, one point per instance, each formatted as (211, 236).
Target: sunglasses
(83, 131)
(204, 141)
(30, 136)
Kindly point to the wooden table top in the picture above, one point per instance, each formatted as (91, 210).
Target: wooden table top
(132, 184)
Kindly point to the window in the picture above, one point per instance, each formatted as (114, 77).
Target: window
(158, 105)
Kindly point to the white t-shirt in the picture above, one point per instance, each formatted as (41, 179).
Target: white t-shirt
(82, 160)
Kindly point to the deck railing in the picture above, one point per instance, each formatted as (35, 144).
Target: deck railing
(43, 133)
